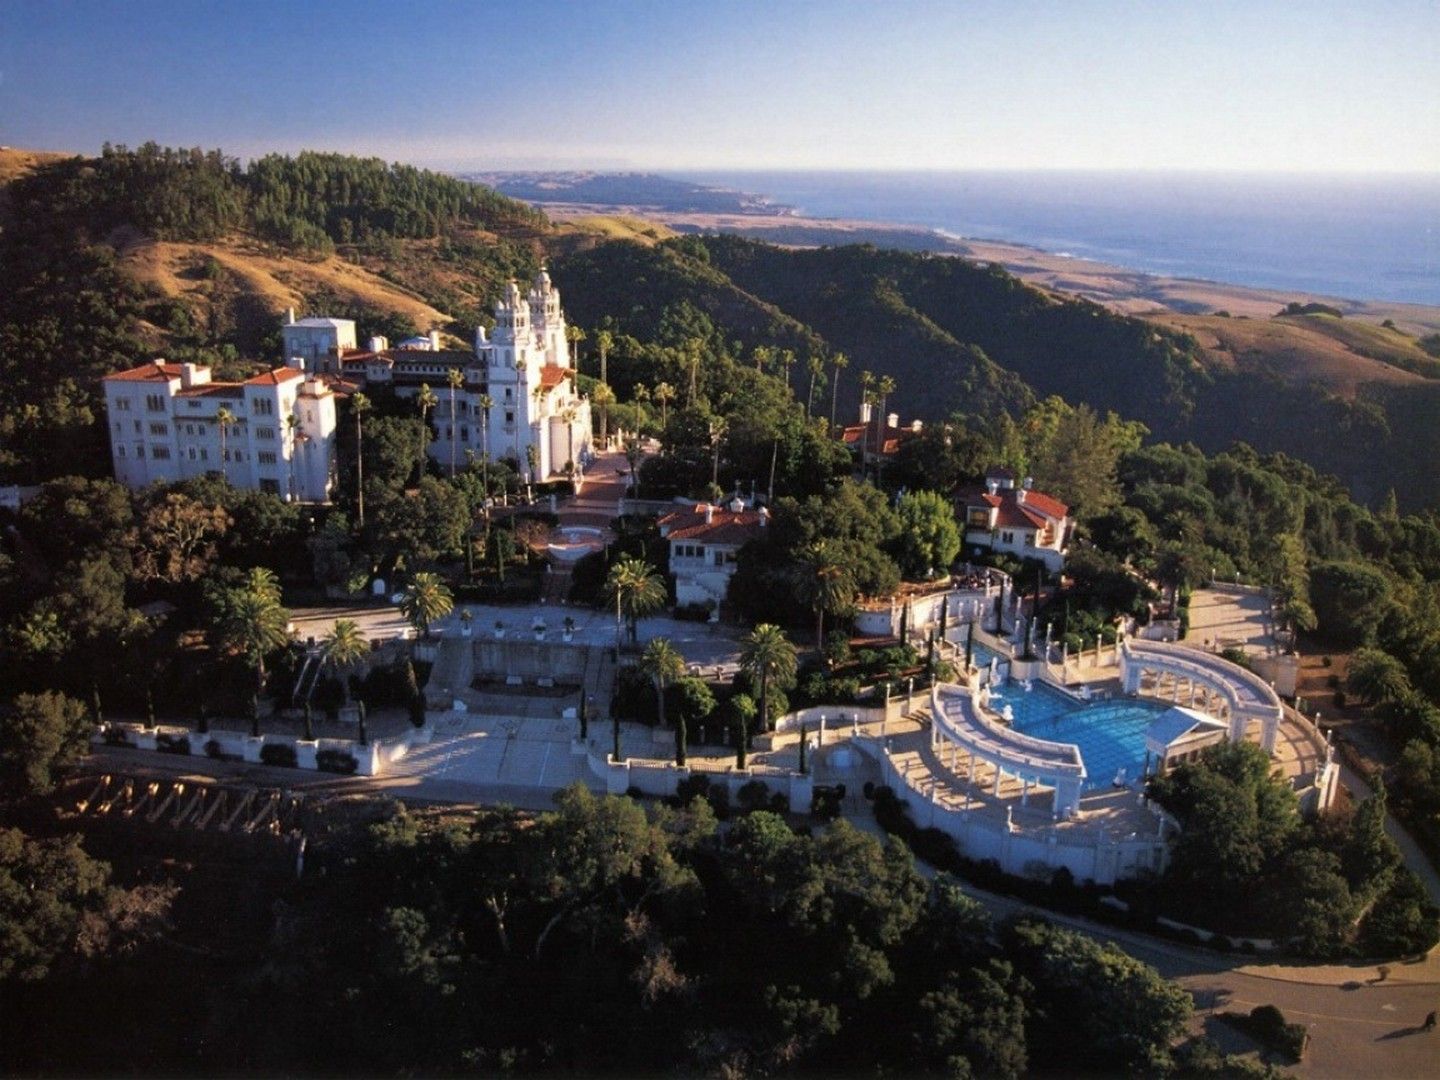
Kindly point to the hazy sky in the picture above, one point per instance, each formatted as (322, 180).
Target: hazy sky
(1288, 85)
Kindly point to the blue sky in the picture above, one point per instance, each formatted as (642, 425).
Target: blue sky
(890, 84)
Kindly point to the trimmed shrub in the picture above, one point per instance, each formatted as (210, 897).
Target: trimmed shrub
(172, 744)
(753, 796)
(281, 754)
(336, 761)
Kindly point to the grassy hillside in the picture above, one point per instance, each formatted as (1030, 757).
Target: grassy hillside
(1341, 354)
(106, 261)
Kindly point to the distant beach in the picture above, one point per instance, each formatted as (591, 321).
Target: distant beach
(1358, 238)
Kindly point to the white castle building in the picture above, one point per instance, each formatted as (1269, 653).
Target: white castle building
(280, 435)
(277, 432)
(523, 366)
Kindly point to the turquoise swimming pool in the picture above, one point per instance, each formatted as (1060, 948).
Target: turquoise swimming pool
(1110, 734)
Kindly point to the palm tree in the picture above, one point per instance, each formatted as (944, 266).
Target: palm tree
(664, 393)
(839, 362)
(636, 589)
(344, 647)
(816, 367)
(718, 427)
(360, 405)
(767, 656)
(224, 418)
(603, 340)
(633, 452)
(292, 422)
(663, 665)
(884, 388)
(603, 397)
(427, 401)
(787, 361)
(485, 403)
(456, 379)
(568, 415)
(693, 347)
(762, 355)
(254, 624)
(426, 599)
(520, 366)
(826, 585)
(574, 335)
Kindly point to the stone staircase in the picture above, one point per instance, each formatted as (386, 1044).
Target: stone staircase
(453, 671)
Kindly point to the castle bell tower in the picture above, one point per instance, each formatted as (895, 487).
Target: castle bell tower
(549, 320)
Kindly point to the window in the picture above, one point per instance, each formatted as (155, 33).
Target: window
(262, 407)
(1007, 537)
(200, 428)
(117, 427)
(189, 429)
(509, 417)
(204, 454)
(719, 558)
(139, 450)
(159, 429)
(160, 453)
(464, 434)
(269, 486)
(265, 433)
(155, 402)
(122, 404)
(192, 404)
(137, 427)
(265, 457)
(192, 453)
(119, 451)
(509, 393)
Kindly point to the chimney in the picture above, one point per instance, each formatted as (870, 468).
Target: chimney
(296, 363)
(378, 343)
(991, 485)
(865, 408)
(764, 516)
(160, 362)
(893, 420)
(1028, 483)
(434, 340)
(709, 512)
(290, 316)
(190, 375)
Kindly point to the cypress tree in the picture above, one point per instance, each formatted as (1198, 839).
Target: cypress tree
(680, 741)
(615, 735)
(364, 732)
(309, 724)
(802, 749)
(584, 717)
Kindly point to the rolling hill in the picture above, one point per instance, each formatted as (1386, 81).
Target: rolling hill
(109, 260)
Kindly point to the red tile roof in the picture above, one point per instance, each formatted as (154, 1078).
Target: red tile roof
(155, 372)
(725, 527)
(1046, 504)
(276, 377)
(218, 389)
(552, 375)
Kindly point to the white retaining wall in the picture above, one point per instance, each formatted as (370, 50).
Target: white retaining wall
(1087, 855)
(370, 759)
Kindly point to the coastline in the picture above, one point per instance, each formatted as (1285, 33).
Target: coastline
(1120, 288)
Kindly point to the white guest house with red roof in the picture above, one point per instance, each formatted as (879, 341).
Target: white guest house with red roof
(1016, 520)
(704, 540)
(165, 426)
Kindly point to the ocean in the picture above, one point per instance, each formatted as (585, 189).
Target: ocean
(1356, 237)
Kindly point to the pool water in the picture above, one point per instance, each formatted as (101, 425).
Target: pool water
(1110, 734)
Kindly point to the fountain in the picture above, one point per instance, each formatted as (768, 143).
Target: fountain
(1007, 714)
